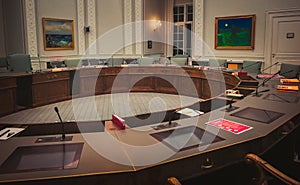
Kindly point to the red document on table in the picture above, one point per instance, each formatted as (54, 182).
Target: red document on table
(230, 126)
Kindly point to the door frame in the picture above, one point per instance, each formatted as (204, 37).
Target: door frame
(271, 17)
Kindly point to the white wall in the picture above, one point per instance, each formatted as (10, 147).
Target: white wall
(13, 27)
(109, 21)
(153, 10)
(2, 38)
(65, 9)
(217, 8)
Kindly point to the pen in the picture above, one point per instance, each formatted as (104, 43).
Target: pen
(4, 133)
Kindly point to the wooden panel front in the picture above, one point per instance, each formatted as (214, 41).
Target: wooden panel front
(212, 88)
(166, 84)
(7, 95)
(115, 84)
(190, 86)
(50, 77)
(142, 83)
(50, 87)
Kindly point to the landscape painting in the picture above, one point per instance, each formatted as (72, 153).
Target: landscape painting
(235, 32)
(58, 34)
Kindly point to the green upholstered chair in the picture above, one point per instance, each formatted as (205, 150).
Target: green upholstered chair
(252, 66)
(289, 70)
(217, 62)
(3, 63)
(117, 61)
(19, 63)
(181, 60)
(146, 61)
(72, 63)
(200, 63)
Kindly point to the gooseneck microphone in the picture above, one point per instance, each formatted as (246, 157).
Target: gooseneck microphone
(267, 79)
(63, 135)
(269, 66)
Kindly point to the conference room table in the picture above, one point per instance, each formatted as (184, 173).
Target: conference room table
(143, 154)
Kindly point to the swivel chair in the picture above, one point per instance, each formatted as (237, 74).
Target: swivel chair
(19, 63)
(3, 64)
(289, 70)
(252, 66)
(217, 62)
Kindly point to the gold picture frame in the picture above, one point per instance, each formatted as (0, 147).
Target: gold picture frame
(58, 34)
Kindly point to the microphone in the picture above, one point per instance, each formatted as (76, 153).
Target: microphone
(267, 79)
(270, 66)
(171, 117)
(63, 135)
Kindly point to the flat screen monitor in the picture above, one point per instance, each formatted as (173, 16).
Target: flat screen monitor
(43, 157)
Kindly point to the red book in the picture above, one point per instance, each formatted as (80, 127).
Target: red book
(118, 121)
(242, 73)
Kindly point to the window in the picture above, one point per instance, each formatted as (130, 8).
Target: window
(183, 18)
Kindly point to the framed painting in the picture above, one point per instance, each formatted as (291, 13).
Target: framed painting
(235, 32)
(58, 34)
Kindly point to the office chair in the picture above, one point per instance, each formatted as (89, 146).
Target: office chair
(181, 60)
(265, 166)
(19, 63)
(294, 70)
(173, 181)
(252, 66)
(146, 61)
(3, 63)
(200, 63)
(255, 166)
(217, 62)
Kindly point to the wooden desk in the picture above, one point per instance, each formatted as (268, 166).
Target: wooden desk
(7, 95)
(43, 88)
(128, 145)
(162, 79)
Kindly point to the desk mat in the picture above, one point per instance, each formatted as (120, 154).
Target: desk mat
(43, 157)
(282, 98)
(184, 138)
(259, 115)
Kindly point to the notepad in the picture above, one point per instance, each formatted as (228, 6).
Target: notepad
(190, 112)
(9, 132)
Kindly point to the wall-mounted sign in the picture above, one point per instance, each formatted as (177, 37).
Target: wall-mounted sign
(290, 35)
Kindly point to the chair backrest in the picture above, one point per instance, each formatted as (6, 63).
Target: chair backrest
(252, 66)
(19, 63)
(200, 63)
(217, 62)
(3, 62)
(72, 62)
(117, 61)
(289, 70)
(146, 61)
(180, 60)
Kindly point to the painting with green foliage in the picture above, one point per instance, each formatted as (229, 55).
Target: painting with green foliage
(235, 32)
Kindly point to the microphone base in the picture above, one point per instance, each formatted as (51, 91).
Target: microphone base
(53, 139)
(230, 108)
(164, 126)
(257, 95)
